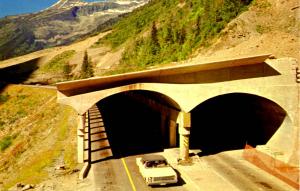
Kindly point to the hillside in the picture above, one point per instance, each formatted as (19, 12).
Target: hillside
(47, 66)
(152, 36)
(268, 26)
(264, 26)
(169, 31)
(63, 23)
(36, 135)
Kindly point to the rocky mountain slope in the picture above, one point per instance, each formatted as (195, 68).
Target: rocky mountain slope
(64, 22)
(264, 26)
(269, 26)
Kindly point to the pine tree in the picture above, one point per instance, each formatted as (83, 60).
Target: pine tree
(168, 34)
(182, 36)
(86, 69)
(154, 34)
(198, 25)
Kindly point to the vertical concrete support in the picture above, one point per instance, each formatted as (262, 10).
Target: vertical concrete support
(80, 138)
(184, 147)
(184, 121)
(172, 133)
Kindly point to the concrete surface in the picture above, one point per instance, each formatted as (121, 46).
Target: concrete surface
(225, 171)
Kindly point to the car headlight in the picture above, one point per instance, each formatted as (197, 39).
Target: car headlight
(150, 179)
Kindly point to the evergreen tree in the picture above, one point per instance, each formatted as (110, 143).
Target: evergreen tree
(168, 36)
(198, 24)
(182, 36)
(154, 40)
(86, 68)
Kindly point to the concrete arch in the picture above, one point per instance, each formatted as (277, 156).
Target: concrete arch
(276, 124)
(160, 97)
(200, 94)
(82, 102)
(250, 93)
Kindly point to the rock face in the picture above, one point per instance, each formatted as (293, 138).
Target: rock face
(62, 23)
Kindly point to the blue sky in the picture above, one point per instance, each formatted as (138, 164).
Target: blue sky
(13, 7)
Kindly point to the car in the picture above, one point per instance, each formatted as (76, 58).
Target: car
(156, 170)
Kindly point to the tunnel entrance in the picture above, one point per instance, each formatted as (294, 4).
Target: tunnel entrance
(137, 122)
(231, 121)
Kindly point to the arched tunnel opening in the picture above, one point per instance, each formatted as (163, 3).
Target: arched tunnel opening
(137, 122)
(230, 121)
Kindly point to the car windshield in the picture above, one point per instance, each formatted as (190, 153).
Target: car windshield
(155, 164)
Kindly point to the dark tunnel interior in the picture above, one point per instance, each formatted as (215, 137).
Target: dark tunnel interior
(132, 126)
(231, 121)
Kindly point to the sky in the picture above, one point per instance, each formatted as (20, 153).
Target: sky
(14, 7)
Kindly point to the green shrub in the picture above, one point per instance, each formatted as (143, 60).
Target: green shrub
(21, 113)
(2, 123)
(5, 142)
(262, 4)
(21, 97)
(3, 98)
(262, 29)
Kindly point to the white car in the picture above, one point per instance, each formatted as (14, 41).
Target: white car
(156, 170)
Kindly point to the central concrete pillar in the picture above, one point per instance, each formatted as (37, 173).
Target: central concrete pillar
(184, 122)
(80, 138)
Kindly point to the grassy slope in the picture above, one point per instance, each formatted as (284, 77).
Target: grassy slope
(56, 69)
(59, 64)
(165, 31)
(41, 131)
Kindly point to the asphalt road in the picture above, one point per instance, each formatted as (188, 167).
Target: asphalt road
(242, 174)
(111, 175)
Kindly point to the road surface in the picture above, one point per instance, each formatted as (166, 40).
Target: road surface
(123, 174)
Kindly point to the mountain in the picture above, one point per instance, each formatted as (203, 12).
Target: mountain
(63, 23)
(165, 31)
(160, 32)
